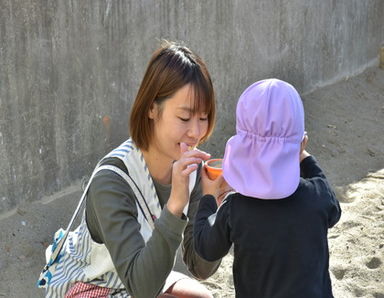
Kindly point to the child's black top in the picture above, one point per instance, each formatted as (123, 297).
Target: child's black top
(280, 246)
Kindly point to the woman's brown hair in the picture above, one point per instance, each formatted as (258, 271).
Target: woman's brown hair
(171, 67)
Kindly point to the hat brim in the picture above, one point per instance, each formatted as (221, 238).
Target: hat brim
(264, 168)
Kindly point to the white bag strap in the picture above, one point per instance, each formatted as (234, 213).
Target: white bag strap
(130, 182)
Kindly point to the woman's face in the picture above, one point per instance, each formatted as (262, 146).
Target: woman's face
(176, 123)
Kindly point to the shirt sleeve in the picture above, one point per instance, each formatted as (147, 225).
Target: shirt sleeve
(142, 267)
(316, 179)
(200, 268)
(212, 229)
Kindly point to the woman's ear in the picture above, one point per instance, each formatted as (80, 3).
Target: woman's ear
(153, 110)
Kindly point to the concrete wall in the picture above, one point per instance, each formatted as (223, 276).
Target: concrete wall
(69, 70)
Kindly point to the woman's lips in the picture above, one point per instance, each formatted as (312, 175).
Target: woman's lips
(190, 147)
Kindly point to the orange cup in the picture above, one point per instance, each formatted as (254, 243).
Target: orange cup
(214, 167)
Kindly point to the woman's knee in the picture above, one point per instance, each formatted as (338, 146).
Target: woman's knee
(189, 288)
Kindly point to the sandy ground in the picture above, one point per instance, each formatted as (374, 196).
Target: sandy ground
(345, 125)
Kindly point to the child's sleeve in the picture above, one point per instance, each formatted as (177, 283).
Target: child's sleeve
(334, 213)
(211, 229)
(311, 171)
(309, 168)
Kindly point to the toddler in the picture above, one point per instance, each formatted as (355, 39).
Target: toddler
(283, 205)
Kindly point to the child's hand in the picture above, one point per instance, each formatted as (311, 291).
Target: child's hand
(224, 190)
(218, 187)
(303, 153)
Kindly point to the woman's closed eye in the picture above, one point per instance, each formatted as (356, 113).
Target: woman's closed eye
(187, 119)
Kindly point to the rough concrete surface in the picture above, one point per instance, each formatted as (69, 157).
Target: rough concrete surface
(345, 126)
(69, 70)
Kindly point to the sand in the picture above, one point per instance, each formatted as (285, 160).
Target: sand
(345, 123)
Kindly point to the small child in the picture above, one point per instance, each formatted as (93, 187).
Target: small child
(277, 220)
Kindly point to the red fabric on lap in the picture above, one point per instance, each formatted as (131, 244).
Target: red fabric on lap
(84, 290)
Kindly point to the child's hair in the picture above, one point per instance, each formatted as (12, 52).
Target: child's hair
(262, 159)
(171, 67)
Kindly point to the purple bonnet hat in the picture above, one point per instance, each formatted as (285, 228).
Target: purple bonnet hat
(262, 160)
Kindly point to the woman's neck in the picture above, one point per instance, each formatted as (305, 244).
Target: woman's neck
(160, 168)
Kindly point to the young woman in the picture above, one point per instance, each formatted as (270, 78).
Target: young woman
(127, 242)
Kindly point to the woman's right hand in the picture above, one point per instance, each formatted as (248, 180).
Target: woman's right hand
(181, 169)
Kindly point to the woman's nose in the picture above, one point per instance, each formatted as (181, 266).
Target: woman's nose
(195, 129)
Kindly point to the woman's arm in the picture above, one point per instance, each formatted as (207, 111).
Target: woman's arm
(142, 267)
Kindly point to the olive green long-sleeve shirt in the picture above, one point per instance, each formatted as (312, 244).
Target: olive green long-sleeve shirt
(111, 216)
